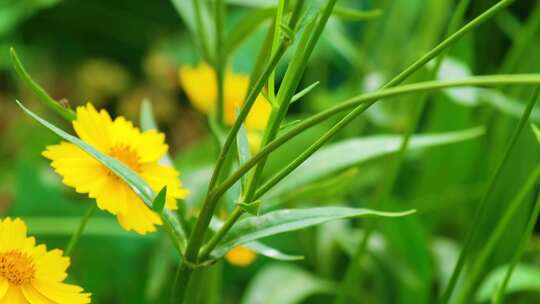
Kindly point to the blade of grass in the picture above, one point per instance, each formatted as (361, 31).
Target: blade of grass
(480, 210)
(475, 271)
(519, 252)
(77, 235)
(66, 113)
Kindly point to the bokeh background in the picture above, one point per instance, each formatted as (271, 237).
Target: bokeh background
(117, 53)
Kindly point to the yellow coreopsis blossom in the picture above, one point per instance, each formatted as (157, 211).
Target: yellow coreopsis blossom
(241, 256)
(29, 274)
(201, 88)
(140, 151)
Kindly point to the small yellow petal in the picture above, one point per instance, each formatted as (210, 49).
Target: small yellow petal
(61, 293)
(33, 296)
(241, 256)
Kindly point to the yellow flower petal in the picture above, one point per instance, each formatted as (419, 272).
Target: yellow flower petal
(93, 127)
(241, 256)
(61, 293)
(12, 234)
(35, 297)
(113, 197)
(13, 295)
(4, 285)
(200, 86)
(138, 217)
(151, 146)
(51, 265)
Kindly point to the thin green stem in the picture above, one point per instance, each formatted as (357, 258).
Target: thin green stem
(66, 113)
(275, 44)
(251, 97)
(201, 31)
(211, 201)
(495, 237)
(519, 252)
(478, 217)
(214, 241)
(393, 168)
(359, 104)
(286, 92)
(181, 282)
(220, 60)
(77, 235)
(366, 100)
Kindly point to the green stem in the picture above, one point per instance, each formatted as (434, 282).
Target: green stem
(519, 252)
(181, 282)
(201, 31)
(364, 101)
(478, 218)
(211, 201)
(220, 60)
(251, 97)
(275, 45)
(214, 241)
(77, 235)
(394, 165)
(66, 113)
(495, 237)
(359, 104)
(290, 83)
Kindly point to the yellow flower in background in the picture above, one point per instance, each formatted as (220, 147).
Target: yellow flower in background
(140, 151)
(31, 274)
(241, 256)
(201, 88)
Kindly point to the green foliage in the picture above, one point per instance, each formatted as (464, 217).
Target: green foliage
(443, 136)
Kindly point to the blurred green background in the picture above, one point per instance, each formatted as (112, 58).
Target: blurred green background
(116, 53)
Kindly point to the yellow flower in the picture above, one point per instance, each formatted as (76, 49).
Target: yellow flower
(201, 88)
(31, 274)
(241, 256)
(138, 150)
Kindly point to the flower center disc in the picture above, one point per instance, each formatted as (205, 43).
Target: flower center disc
(17, 267)
(126, 155)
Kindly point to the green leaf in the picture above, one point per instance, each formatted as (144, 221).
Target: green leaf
(285, 284)
(147, 116)
(244, 153)
(259, 247)
(304, 92)
(536, 131)
(506, 104)
(139, 186)
(272, 253)
(285, 220)
(159, 202)
(352, 14)
(524, 278)
(38, 90)
(351, 152)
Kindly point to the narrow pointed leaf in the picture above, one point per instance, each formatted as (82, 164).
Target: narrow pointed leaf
(272, 253)
(159, 202)
(536, 131)
(304, 92)
(281, 221)
(38, 90)
(351, 152)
